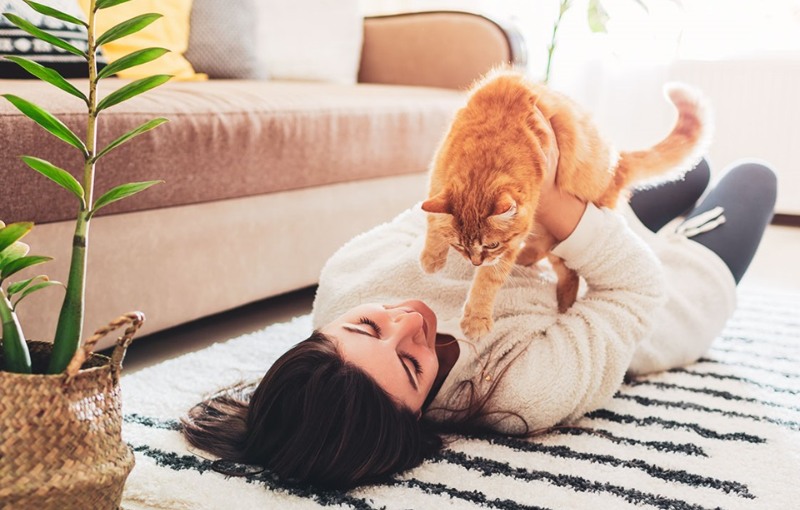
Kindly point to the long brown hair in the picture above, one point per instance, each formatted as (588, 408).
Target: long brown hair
(314, 418)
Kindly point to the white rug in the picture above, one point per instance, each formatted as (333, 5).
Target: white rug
(723, 433)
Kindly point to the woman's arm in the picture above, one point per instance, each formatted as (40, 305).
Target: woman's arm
(577, 364)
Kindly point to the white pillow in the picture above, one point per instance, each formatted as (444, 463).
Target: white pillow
(315, 40)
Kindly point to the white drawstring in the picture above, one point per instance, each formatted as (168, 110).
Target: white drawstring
(704, 222)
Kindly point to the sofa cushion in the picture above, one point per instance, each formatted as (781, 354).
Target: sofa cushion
(222, 40)
(171, 31)
(225, 139)
(17, 42)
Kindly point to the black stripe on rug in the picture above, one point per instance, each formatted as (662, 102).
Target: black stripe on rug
(732, 338)
(649, 402)
(669, 475)
(727, 377)
(153, 423)
(475, 497)
(492, 468)
(787, 375)
(713, 393)
(178, 462)
(661, 446)
(751, 354)
(604, 414)
(765, 336)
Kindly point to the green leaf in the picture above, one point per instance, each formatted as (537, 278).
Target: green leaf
(13, 233)
(120, 192)
(22, 263)
(49, 11)
(12, 253)
(47, 121)
(57, 175)
(15, 350)
(44, 36)
(597, 16)
(18, 286)
(132, 89)
(147, 126)
(134, 59)
(51, 76)
(105, 4)
(128, 27)
(33, 288)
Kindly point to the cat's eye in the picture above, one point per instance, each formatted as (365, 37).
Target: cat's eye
(492, 246)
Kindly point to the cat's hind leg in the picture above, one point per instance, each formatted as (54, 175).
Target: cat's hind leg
(534, 249)
(567, 286)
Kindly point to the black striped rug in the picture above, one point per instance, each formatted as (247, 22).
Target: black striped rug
(722, 433)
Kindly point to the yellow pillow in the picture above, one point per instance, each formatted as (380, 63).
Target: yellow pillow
(170, 32)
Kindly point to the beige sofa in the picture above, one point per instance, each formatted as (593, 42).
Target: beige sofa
(263, 179)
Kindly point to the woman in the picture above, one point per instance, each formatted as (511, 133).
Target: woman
(387, 368)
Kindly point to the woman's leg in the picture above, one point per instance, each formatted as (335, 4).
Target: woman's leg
(655, 207)
(747, 194)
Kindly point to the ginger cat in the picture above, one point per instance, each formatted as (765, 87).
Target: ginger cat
(486, 176)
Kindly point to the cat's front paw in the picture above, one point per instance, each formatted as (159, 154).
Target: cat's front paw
(431, 263)
(475, 325)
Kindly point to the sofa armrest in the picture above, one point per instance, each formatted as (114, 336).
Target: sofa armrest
(436, 49)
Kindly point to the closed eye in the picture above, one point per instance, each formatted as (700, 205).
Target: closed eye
(414, 361)
(372, 324)
(492, 246)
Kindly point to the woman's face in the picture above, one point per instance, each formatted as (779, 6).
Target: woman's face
(394, 344)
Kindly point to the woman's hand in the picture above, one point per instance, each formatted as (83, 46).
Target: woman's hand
(558, 211)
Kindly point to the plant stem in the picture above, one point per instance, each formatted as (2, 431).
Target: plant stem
(563, 7)
(70, 320)
(15, 350)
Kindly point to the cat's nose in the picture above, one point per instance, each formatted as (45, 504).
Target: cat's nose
(476, 260)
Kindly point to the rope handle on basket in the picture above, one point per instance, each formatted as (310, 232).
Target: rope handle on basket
(135, 319)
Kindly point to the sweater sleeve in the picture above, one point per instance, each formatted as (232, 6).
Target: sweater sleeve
(578, 362)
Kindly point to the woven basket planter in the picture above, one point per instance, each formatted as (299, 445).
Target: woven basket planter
(61, 441)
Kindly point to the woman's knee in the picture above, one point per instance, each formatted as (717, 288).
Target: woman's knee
(754, 176)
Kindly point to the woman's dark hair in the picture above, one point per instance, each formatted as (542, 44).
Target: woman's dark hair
(314, 418)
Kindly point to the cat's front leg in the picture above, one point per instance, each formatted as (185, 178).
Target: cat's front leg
(477, 320)
(434, 254)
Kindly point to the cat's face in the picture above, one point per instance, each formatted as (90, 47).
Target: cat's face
(482, 237)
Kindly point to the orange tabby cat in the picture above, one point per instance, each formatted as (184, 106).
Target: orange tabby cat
(486, 177)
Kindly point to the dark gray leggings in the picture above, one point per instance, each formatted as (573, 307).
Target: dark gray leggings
(747, 193)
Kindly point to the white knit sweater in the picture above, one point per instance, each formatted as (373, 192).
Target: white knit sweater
(650, 302)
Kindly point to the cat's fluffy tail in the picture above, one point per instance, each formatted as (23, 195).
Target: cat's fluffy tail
(681, 150)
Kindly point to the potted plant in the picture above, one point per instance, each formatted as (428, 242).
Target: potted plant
(60, 412)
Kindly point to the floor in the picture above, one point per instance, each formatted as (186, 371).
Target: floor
(775, 265)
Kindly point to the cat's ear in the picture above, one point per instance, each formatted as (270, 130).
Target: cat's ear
(437, 204)
(505, 207)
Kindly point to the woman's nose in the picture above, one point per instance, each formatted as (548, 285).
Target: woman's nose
(405, 323)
